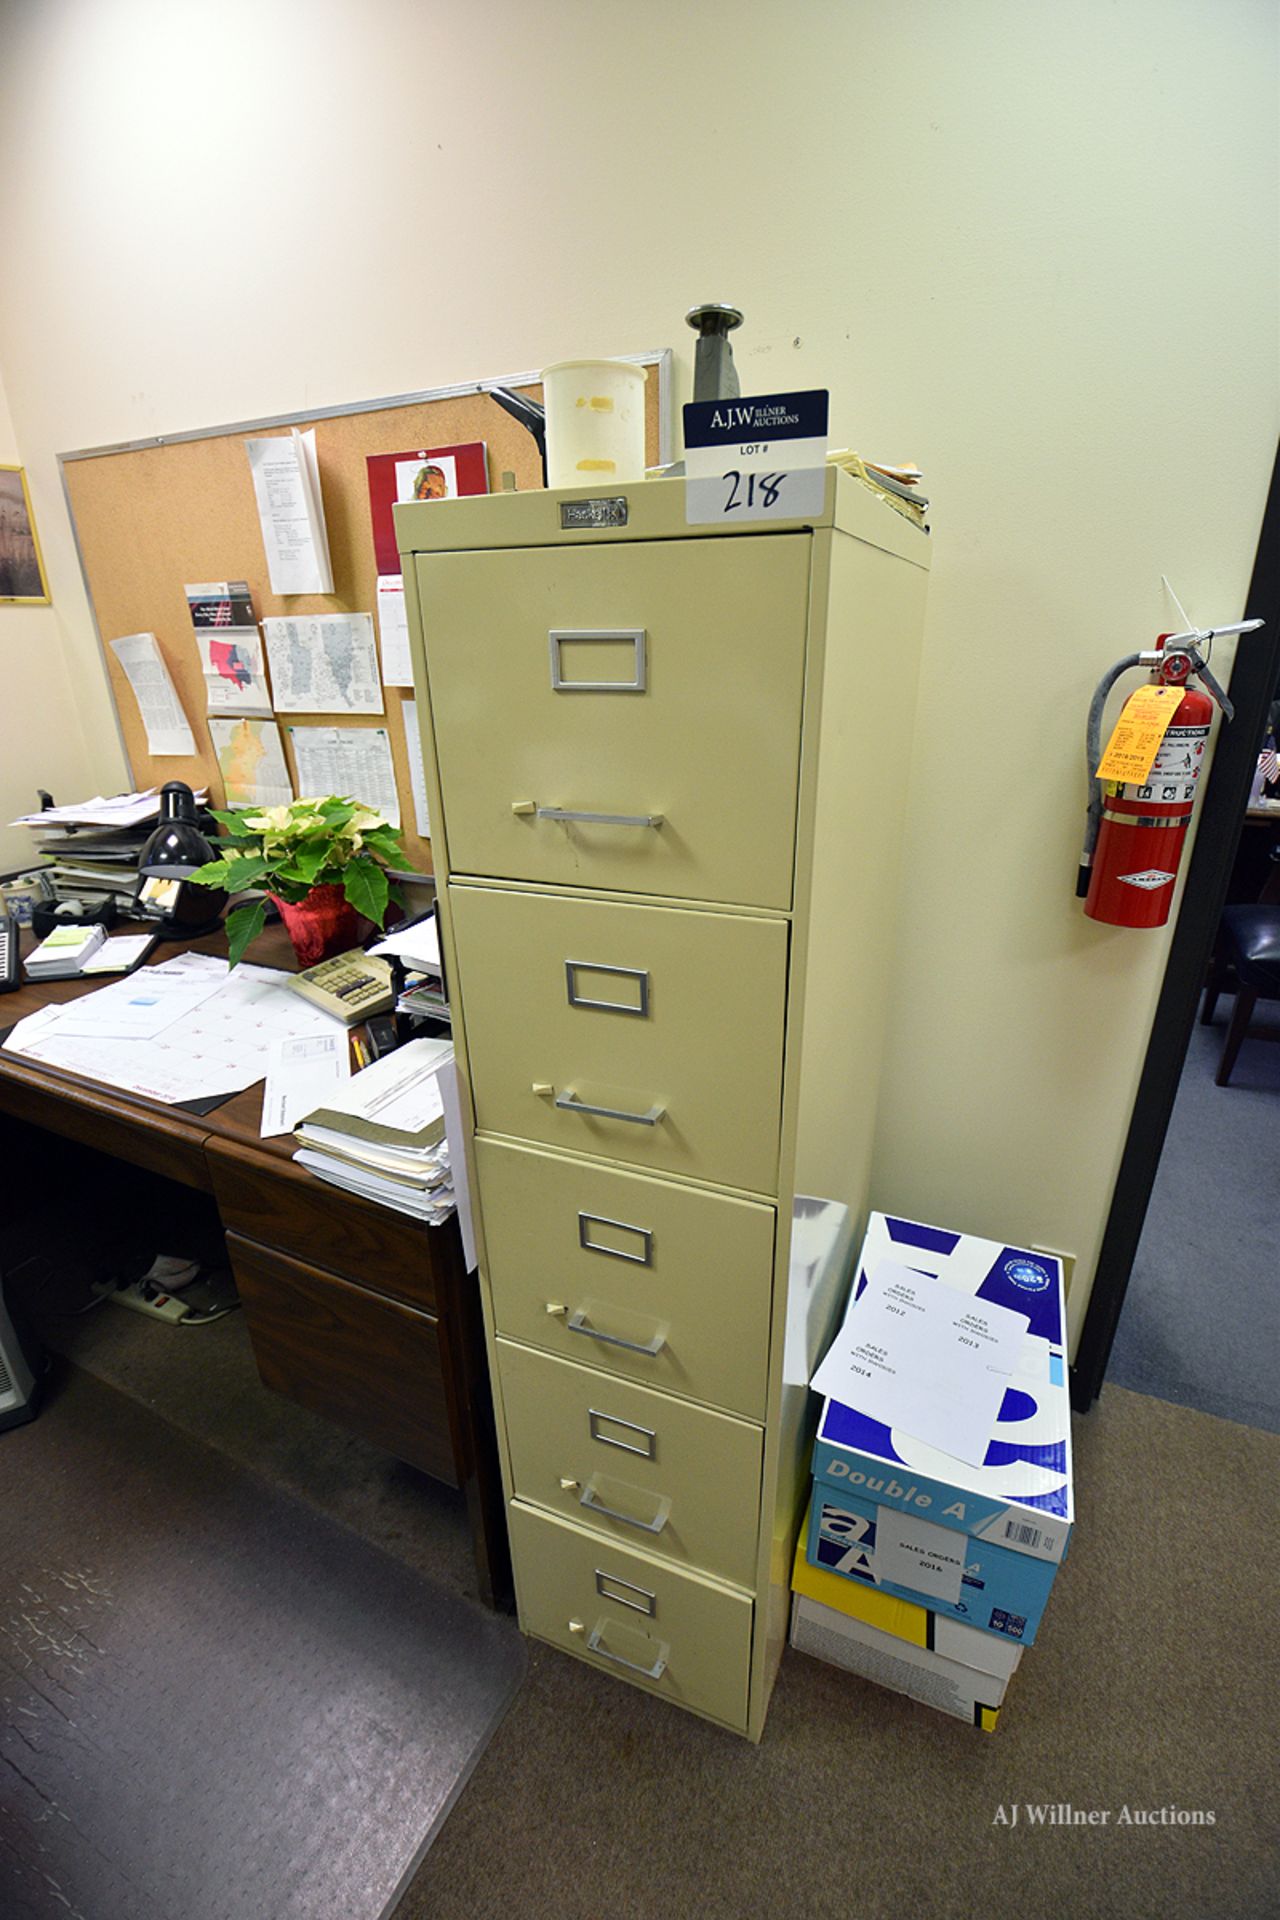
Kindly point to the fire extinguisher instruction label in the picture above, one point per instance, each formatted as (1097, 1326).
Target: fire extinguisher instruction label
(1176, 767)
(1134, 747)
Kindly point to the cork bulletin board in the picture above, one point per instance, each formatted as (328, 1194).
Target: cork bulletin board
(152, 516)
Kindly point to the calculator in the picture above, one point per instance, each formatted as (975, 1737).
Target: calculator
(352, 986)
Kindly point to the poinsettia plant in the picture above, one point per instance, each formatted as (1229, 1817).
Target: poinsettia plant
(286, 851)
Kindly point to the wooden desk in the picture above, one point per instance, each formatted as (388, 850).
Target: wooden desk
(357, 1312)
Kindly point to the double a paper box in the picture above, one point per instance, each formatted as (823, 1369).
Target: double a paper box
(919, 1628)
(1020, 1497)
(950, 1572)
(963, 1692)
(929, 1658)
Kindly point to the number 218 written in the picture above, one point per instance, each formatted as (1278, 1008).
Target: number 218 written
(769, 484)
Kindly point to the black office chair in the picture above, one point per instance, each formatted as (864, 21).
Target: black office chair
(1249, 947)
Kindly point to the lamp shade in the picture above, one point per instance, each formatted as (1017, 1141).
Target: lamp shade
(172, 853)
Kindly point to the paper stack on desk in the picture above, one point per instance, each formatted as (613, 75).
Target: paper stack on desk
(382, 1135)
(187, 1029)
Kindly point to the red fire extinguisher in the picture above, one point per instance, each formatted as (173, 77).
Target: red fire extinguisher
(1136, 832)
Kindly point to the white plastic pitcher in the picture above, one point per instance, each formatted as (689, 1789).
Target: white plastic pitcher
(595, 422)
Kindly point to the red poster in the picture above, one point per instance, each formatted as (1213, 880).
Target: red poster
(429, 473)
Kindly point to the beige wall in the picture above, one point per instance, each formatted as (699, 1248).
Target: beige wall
(41, 744)
(1032, 247)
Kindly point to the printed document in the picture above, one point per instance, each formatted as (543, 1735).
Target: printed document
(302, 1072)
(218, 1045)
(251, 758)
(355, 761)
(157, 698)
(921, 1356)
(286, 481)
(393, 625)
(324, 663)
(417, 773)
(234, 678)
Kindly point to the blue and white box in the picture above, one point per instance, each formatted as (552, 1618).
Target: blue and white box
(985, 1586)
(1020, 1498)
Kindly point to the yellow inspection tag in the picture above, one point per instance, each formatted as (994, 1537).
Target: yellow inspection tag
(1142, 725)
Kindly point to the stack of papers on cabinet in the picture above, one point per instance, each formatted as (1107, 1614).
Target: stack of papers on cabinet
(383, 1134)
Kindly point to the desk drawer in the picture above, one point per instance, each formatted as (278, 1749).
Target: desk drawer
(680, 671)
(641, 1468)
(273, 1201)
(669, 1018)
(673, 1633)
(371, 1364)
(665, 1285)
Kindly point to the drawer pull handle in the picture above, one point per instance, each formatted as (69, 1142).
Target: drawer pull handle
(568, 1102)
(592, 1503)
(526, 807)
(577, 1323)
(596, 1644)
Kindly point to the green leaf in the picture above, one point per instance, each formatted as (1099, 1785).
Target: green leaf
(309, 857)
(387, 844)
(366, 888)
(243, 925)
(336, 813)
(229, 819)
(244, 870)
(212, 874)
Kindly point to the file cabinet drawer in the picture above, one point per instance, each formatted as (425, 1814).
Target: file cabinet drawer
(642, 1468)
(674, 1633)
(663, 678)
(651, 1035)
(665, 1285)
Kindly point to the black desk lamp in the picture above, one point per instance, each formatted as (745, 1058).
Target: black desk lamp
(168, 859)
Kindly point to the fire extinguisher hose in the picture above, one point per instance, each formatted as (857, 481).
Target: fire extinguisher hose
(1093, 754)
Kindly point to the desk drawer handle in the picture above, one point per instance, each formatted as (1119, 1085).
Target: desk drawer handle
(577, 1323)
(568, 1102)
(595, 819)
(655, 1672)
(591, 1502)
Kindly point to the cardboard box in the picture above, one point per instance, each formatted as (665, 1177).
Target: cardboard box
(830, 1635)
(948, 1572)
(993, 1656)
(1020, 1498)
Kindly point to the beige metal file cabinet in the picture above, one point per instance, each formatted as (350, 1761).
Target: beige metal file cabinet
(667, 769)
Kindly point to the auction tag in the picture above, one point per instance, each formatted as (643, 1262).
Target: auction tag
(758, 458)
(1142, 725)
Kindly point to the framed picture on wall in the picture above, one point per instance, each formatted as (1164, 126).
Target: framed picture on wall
(22, 581)
(429, 473)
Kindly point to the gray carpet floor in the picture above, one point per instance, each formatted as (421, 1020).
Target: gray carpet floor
(214, 1701)
(1201, 1319)
(1152, 1685)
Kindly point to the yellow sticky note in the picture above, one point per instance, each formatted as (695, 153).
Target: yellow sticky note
(1132, 748)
